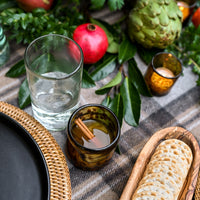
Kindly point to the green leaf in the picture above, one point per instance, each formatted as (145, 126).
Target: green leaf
(24, 95)
(104, 68)
(117, 150)
(198, 81)
(137, 78)
(126, 51)
(24, 24)
(115, 4)
(106, 101)
(97, 4)
(113, 47)
(16, 70)
(197, 4)
(39, 11)
(5, 4)
(47, 61)
(19, 38)
(145, 54)
(87, 81)
(196, 69)
(131, 102)
(115, 81)
(116, 105)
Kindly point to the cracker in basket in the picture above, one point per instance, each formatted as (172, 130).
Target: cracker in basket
(162, 168)
(181, 159)
(169, 161)
(159, 179)
(177, 147)
(153, 191)
(146, 195)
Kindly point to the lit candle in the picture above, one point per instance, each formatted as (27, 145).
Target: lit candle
(165, 72)
(162, 83)
(184, 7)
(162, 73)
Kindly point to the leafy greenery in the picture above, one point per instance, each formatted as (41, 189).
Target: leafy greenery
(87, 81)
(24, 95)
(115, 81)
(137, 78)
(103, 69)
(62, 19)
(4, 4)
(113, 4)
(17, 70)
(28, 26)
(145, 54)
(126, 51)
(187, 48)
(131, 102)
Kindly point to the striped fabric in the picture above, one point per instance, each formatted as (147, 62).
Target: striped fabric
(179, 108)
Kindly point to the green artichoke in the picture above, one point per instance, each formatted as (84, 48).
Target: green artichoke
(155, 23)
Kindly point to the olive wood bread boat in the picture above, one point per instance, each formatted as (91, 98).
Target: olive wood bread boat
(144, 157)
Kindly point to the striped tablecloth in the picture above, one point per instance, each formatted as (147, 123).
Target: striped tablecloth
(179, 108)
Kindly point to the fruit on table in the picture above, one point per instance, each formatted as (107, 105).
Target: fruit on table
(196, 18)
(29, 5)
(93, 41)
(155, 23)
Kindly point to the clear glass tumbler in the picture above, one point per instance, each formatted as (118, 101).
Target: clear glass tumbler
(54, 66)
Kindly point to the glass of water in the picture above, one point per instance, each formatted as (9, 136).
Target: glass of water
(54, 65)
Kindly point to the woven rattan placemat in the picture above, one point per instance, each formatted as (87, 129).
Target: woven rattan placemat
(197, 190)
(60, 185)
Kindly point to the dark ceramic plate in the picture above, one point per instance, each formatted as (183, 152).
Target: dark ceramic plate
(23, 170)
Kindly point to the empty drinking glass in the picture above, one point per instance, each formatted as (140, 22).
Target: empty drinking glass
(54, 71)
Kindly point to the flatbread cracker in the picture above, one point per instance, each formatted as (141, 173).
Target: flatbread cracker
(166, 172)
(161, 180)
(166, 169)
(158, 191)
(172, 161)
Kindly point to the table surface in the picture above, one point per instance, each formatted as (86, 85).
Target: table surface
(179, 108)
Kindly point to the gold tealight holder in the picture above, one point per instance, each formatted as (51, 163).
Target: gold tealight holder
(186, 7)
(162, 73)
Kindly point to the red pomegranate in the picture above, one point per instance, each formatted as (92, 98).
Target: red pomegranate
(29, 5)
(93, 41)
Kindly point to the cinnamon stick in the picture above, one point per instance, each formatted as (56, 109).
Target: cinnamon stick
(84, 128)
(87, 132)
